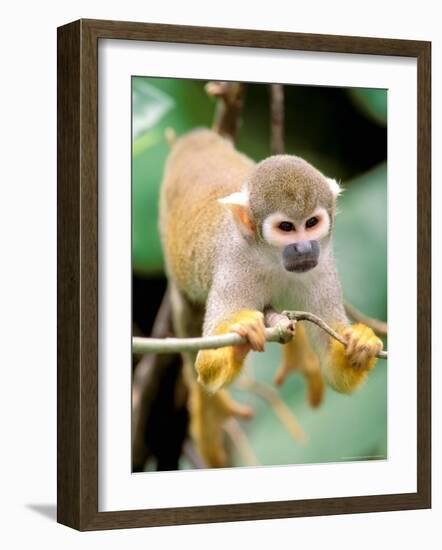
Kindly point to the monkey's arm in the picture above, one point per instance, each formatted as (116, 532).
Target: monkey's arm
(229, 310)
(345, 367)
(211, 405)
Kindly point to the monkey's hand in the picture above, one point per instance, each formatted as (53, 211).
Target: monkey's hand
(348, 366)
(217, 368)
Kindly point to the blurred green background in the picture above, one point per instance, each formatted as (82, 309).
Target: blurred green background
(343, 133)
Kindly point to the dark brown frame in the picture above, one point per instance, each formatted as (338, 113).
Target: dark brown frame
(77, 431)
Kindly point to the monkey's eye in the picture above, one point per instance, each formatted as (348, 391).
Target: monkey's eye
(286, 226)
(311, 222)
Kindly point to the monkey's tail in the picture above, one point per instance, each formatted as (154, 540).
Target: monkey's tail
(170, 136)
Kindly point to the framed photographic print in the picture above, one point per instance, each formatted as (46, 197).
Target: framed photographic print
(232, 206)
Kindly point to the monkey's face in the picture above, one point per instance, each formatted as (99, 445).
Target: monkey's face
(298, 240)
(288, 207)
(292, 205)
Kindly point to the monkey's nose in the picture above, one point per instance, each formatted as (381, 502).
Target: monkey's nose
(301, 256)
(302, 247)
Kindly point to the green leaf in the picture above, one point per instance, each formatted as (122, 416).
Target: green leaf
(154, 111)
(149, 105)
(361, 241)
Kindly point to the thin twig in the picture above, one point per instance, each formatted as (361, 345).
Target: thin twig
(169, 345)
(278, 405)
(227, 120)
(306, 316)
(380, 327)
(279, 333)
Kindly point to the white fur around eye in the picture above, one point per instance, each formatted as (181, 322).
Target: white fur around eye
(276, 237)
(271, 235)
(319, 231)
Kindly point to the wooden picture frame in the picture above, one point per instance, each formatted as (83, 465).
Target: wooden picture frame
(77, 431)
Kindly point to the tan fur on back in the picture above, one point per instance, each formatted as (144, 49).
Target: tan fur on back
(202, 168)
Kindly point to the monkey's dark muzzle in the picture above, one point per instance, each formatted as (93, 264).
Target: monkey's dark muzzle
(301, 256)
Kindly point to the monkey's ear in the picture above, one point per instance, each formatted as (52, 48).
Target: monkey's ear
(335, 188)
(238, 204)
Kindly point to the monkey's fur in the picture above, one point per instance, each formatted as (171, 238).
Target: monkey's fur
(217, 223)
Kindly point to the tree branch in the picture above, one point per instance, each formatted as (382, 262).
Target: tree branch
(159, 402)
(282, 332)
(230, 96)
(278, 405)
(277, 118)
(175, 345)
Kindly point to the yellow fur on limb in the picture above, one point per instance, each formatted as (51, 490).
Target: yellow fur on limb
(218, 368)
(299, 355)
(208, 414)
(347, 367)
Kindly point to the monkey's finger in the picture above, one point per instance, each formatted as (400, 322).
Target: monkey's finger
(373, 343)
(378, 346)
(369, 350)
(252, 333)
(262, 332)
(315, 389)
(256, 338)
(346, 334)
(357, 337)
(230, 407)
(349, 348)
(368, 344)
(361, 356)
(240, 350)
(239, 329)
(258, 329)
(281, 375)
(351, 345)
(242, 411)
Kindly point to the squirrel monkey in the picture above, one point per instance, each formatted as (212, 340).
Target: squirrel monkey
(239, 237)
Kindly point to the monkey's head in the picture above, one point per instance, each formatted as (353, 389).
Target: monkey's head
(288, 207)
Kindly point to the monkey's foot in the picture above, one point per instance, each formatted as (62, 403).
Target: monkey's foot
(217, 368)
(208, 415)
(299, 356)
(348, 367)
